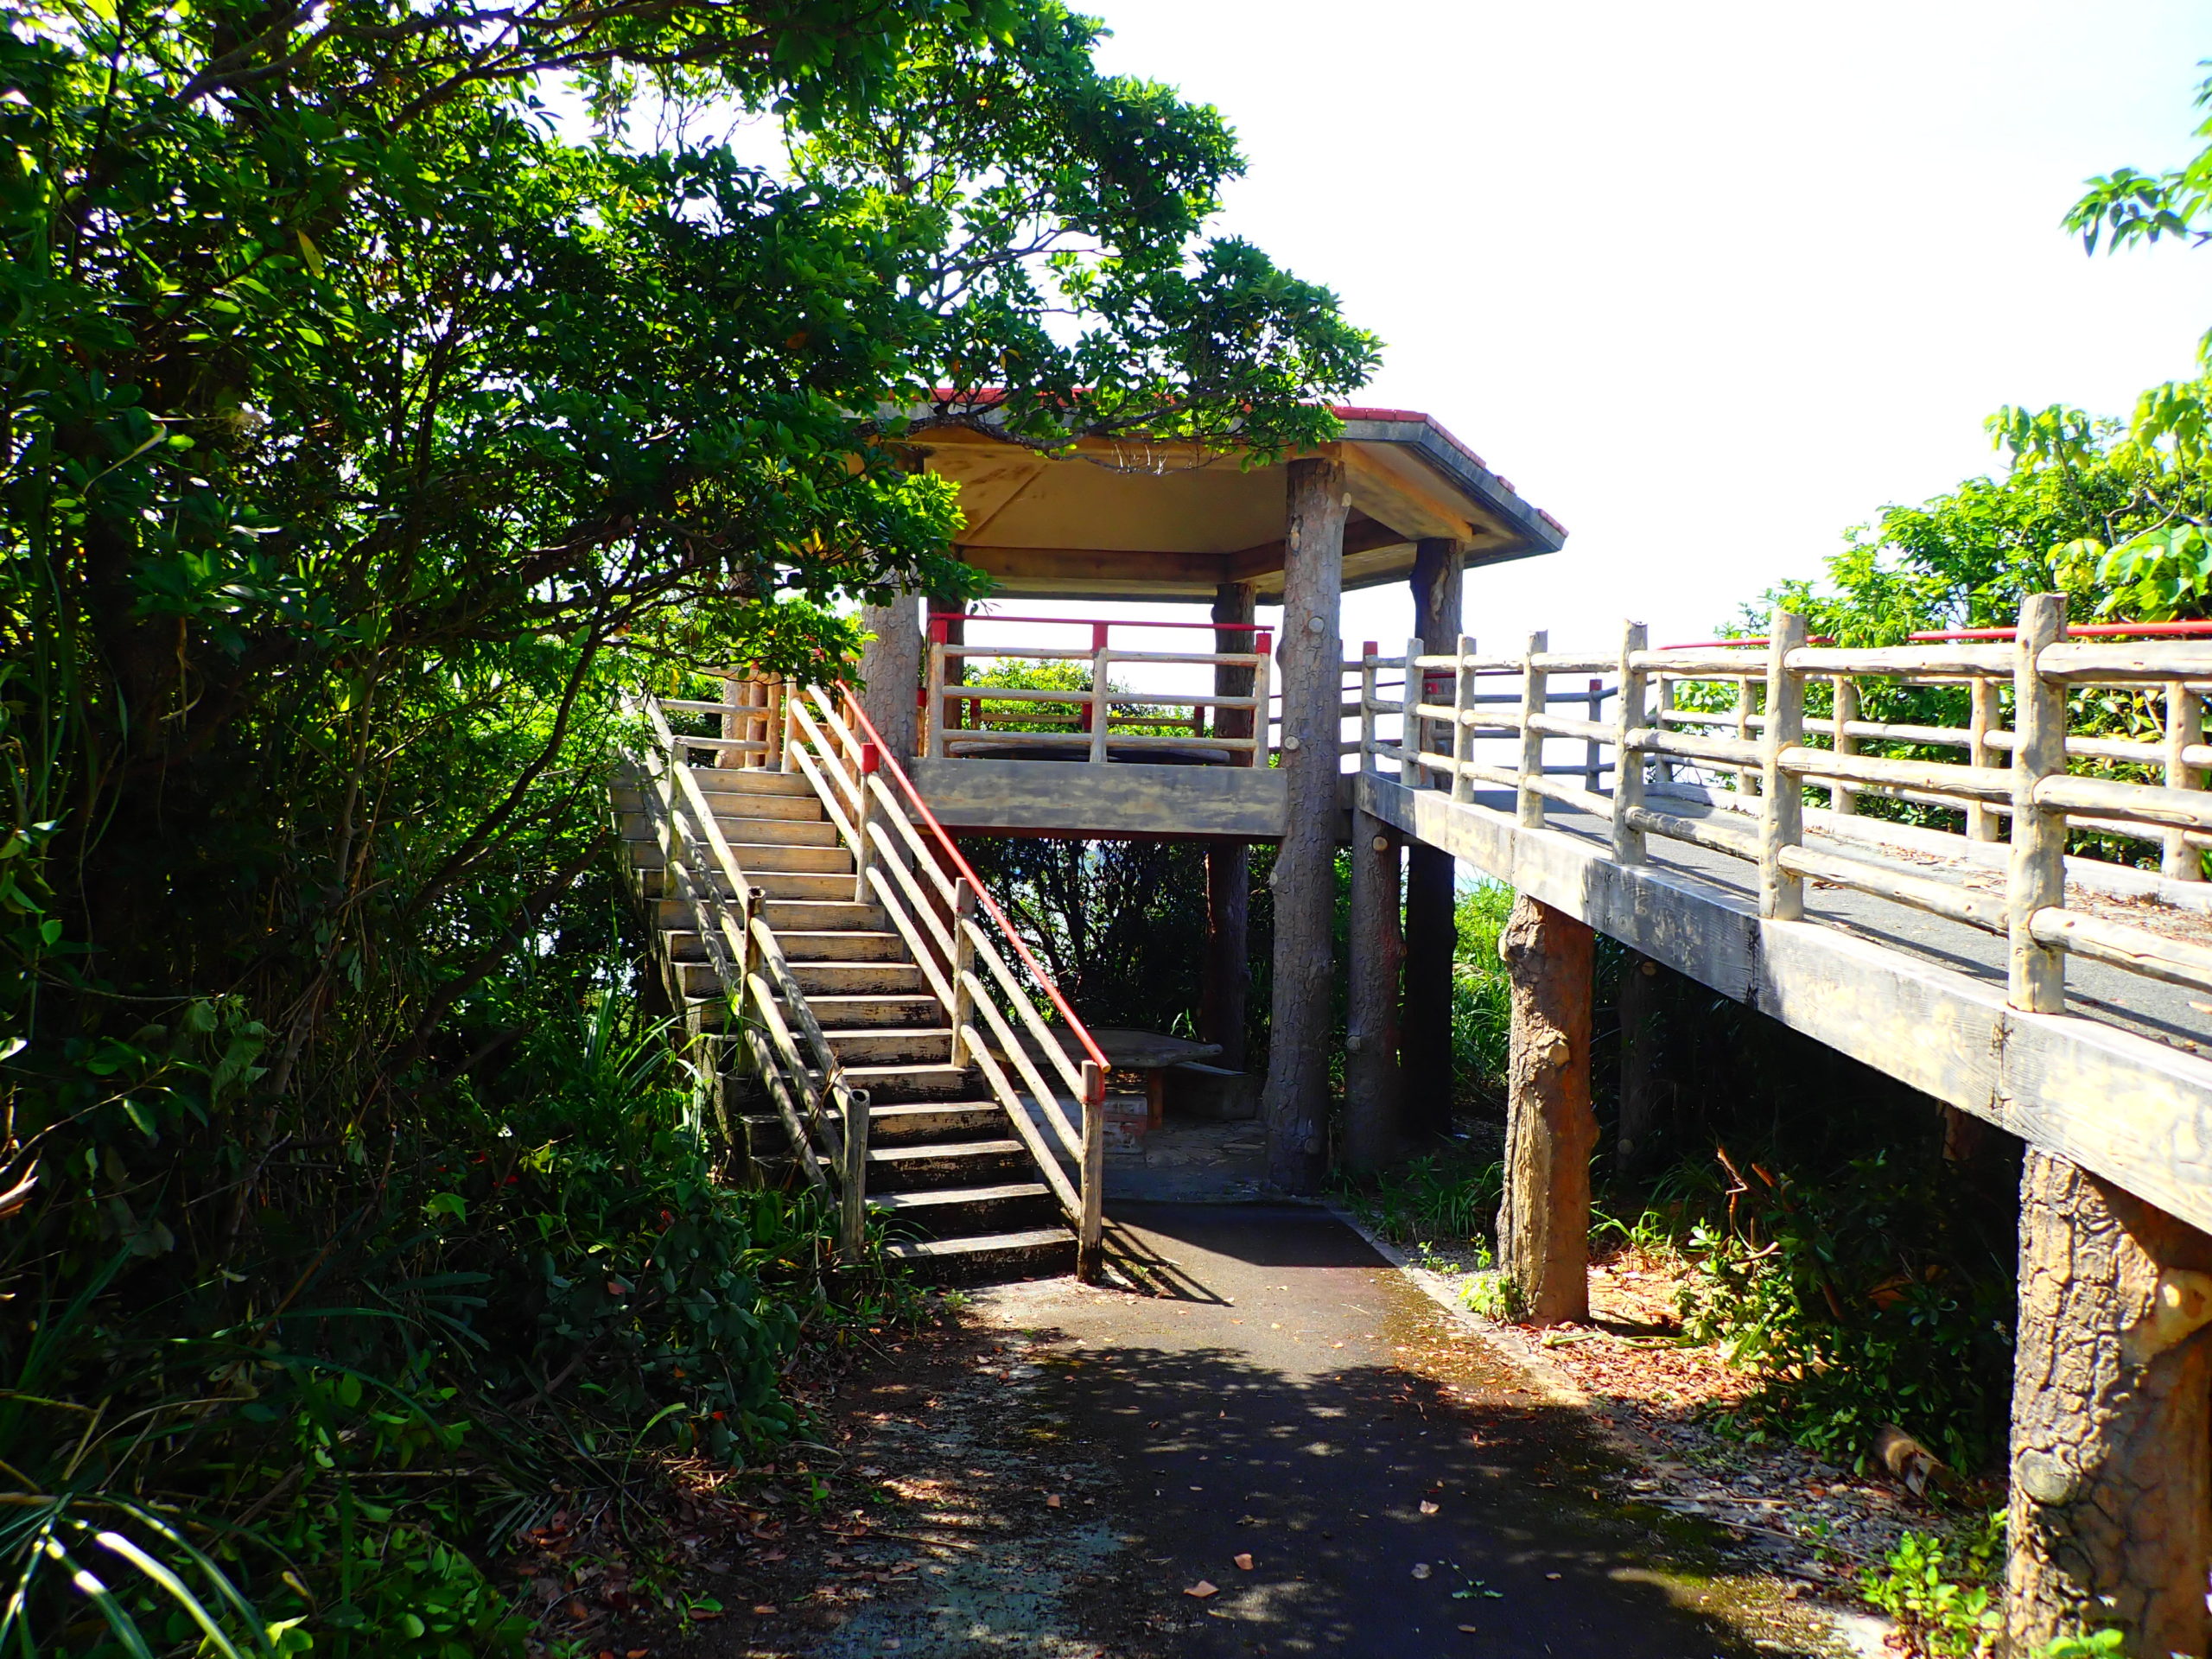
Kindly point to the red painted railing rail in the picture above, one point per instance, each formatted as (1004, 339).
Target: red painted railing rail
(905, 785)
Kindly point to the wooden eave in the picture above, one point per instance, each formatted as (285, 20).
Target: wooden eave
(1131, 520)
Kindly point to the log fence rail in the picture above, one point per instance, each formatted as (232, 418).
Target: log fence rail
(1734, 779)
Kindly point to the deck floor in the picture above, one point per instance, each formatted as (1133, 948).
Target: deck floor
(2150, 1008)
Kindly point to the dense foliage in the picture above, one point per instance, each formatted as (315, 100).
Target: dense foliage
(367, 426)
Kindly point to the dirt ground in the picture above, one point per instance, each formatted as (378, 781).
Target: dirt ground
(1266, 1440)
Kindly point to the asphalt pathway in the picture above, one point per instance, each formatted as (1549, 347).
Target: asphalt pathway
(1286, 1395)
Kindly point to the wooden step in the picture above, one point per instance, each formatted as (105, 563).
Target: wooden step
(755, 858)
(806, 808)
(962, 1211)
(825, 916)
(887, 1085)
(910, 1046)
(749, 781)
(840, 1013)
(920, 1120)
(908, 1169)
(675, 913)
(776, 832)
(1035, 1252)
(844, 944)
(859, 978)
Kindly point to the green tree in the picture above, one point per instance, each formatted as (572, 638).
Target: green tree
(365, 432)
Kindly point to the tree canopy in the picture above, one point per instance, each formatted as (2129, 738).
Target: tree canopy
(381, 394)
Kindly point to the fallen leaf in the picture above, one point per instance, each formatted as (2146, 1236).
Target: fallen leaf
(1469, 1629)
(764, 1608)
(1244, 1562)
(1202, 1590)
(1052, 1501)
(1427, 1507)
(1421, 1569)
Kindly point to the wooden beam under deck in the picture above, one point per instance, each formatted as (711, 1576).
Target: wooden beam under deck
(2133, 1110)
(1070, 798)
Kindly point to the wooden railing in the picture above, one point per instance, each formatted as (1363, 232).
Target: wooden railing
(906, 863)
(1775, 742)
(826, 1120)
(1111, 725)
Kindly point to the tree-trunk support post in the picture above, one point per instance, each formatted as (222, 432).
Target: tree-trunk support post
(1297, 1096)
(852, 1230)
(1543, 1225)
(1782, 798)
(891, 671)
(1371, 1074)
(2110, 1518)
(2035, 878)
(1228, 863)
(1428, 1080)
(1643, 1096)
(1529, 804)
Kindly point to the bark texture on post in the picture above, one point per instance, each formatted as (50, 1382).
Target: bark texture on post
(1221, 993)
(1296, 1101)
(2111, 1511)
(1228, 970)
(891, 668)
(1432, 929)
(1543, 1226)
(1372, 1132)
(1644, 1087)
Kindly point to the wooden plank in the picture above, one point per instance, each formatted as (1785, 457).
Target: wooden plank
(1249, 803)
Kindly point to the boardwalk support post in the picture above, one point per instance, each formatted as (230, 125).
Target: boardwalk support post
(1371, 1074)
(2111, 1508)
(1296, 1102)
(1543, 1225)
(1228, 863)
(1644, 1100)
(1426, 1080)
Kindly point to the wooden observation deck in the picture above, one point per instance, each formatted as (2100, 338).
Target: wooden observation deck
(1140, 522)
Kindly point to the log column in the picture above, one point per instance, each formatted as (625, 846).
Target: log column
(1543, 1226)
(1296, 1101)
(1371, 1078)
(2111, 1510)
(1228, 863)
(1643, 1099)
(1432, 929)
(891, 667)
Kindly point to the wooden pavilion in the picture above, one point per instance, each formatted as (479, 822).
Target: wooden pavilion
(1396, 498)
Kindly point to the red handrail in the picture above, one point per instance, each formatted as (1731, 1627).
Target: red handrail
(2096, 630)
(890, 764)
(941, 619)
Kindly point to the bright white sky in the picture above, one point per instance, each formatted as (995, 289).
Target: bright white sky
(1713, 280)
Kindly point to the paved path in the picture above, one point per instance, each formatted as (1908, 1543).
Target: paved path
(1400, 1490)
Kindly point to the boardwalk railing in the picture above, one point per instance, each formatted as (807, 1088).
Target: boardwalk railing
(827, 1120)
(1734, 780)
(906, 863)
(964, 719)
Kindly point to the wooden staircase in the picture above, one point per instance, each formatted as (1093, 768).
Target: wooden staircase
(956, 1190)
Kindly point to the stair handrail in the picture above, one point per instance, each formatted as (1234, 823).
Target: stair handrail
(956, 983)
(823, 1099)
